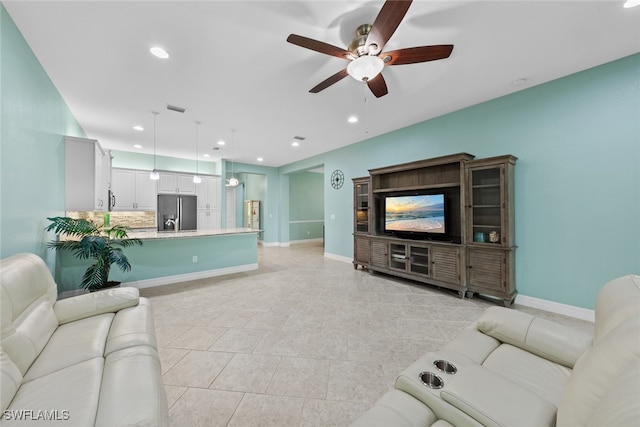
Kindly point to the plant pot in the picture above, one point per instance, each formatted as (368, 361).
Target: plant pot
(109, 285)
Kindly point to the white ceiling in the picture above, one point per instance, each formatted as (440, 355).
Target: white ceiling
(231, 67)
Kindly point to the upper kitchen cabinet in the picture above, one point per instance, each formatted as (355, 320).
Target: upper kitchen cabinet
(133, 190)
(208, 192)
(176, 183)
(87, 170)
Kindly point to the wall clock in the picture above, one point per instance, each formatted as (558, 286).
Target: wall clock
(337, 179)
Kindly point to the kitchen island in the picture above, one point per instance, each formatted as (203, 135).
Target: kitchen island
(170, 257)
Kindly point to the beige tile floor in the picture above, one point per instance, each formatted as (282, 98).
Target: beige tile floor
(302, 341)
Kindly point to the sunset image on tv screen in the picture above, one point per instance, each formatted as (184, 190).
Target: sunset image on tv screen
(424, 213)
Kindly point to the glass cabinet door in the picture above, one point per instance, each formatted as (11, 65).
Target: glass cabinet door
(362, 208)
(419, 261)
(486, 206)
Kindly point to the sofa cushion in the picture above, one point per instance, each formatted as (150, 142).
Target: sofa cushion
(91, 304)
(538, 375)
(10, 379)
(24, 338)
(617, 301)
(72, 343)
(620, 406)
(143, 401)
(597, 374)
(472, 344)
(131, 327)
(398, 409)
(70, 392)
(495, 401)
(547, 339)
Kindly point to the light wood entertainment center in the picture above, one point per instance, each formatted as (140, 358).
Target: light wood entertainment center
(477, 253)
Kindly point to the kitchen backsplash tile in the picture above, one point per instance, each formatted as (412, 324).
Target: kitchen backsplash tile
(132, 219)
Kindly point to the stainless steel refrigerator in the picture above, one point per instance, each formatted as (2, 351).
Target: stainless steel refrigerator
(177, 210)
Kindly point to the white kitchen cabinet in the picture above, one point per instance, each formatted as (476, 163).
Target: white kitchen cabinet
(208, 219)
(133, 190)
(176, 183)
(208, 193)
(86, 167)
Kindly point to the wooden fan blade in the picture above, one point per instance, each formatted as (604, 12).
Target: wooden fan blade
(385, 25)
(413, 55)
(378, 86)
(319, 46)
(331, 80)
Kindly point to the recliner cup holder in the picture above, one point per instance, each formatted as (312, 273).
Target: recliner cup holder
(431, 380)
(445, 366)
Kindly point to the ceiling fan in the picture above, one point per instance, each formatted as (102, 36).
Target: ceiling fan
(365, 51)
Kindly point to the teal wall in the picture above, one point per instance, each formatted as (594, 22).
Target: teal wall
(34, 120)
(126, 159)
(577, 179)
(306, 205)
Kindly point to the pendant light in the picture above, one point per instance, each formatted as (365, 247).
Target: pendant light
(154, 175)
(196, 177)
(233, 181)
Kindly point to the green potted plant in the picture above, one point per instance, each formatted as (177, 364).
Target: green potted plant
(88, 240)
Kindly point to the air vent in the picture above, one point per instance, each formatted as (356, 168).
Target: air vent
(299, 138)
(174, 108)
(214, 148)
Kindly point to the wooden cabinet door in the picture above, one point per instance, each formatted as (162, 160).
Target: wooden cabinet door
(487, 270)
(362, 249)
(446, 266)
(379, 254)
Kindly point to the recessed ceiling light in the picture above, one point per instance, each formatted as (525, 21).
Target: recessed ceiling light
(159, 52)
(221, 143)
(631, 3)
(352, 119)
(206, 155)
(138, 128)
(295, 144)
(137, 146)
(519, 82)
(260, 159)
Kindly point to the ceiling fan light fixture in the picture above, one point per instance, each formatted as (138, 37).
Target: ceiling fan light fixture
(159, 52)
(365, 67)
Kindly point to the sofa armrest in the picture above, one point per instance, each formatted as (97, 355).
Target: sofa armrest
(494, 401)
(547, 339)
(94, 303)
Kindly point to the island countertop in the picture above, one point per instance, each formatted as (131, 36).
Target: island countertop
(154, 234)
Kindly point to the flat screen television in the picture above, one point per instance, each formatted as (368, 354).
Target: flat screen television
(415, 214)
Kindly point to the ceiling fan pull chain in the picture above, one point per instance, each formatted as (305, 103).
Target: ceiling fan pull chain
(366, 109)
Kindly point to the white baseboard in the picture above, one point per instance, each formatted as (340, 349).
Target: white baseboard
(167, 280)
(273, 244)
(338, 257)
(316, 240)
(556, 307)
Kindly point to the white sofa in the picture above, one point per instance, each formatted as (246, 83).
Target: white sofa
(83, 361)
(518, 370)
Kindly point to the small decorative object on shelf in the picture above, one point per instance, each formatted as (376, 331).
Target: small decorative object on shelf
(494, 237)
